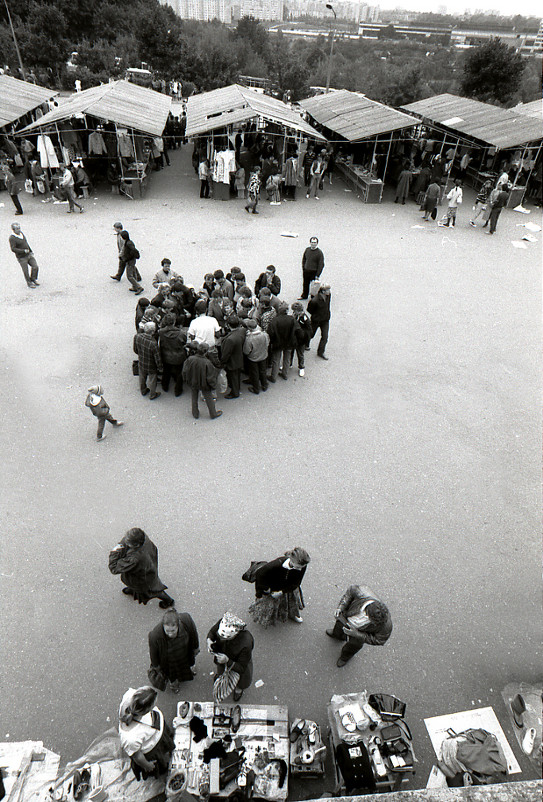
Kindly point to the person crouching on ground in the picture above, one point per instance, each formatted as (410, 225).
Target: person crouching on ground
(278, 589)
(100, 409)
(201, 376)
(145, 735)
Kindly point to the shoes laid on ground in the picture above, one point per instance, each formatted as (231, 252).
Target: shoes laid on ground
(154, 395)
(115, 278)
(298, 619)
(341, 662)
(323, 356)
(146, 391)
(518, 708)
(528, 741)
(165, 604)
(103, 437)
(237, 694)
(301, 372)
(218, 414)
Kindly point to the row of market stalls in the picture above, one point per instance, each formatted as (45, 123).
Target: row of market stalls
(114, 129)
(20, 104)
(492, 140)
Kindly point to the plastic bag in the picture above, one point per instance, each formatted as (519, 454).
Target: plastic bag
(222, 381)
(28, 186)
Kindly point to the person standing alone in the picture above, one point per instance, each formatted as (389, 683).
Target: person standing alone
(312, 266)
(22, 250)
(13, 188)
(118, 227)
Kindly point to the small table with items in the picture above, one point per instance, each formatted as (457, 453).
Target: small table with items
(370, 751)
(368, 186)
(307, 750)
(222, 747)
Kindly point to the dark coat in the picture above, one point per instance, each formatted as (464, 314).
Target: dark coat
(199, 373)
(272, 578)
(262, 281)
(351, 603)
(281, 331)
(313, 261)
(239, 651)
(232, 349)
(172, 343)
(158, 642)
(138, 568)
(319, 308)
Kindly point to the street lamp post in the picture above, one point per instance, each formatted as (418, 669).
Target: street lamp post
(15, 42)
(329, 74)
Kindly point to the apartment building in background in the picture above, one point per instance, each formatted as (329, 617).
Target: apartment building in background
(226, 10)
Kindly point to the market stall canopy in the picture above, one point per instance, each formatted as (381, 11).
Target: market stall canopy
(533, 109)
(501, 128)
(235, 104)
(17, 98)
(120, 102)
(354, 116)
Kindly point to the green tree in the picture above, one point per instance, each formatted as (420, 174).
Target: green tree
(492, 73)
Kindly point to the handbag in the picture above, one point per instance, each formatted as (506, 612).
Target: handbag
(135, 367)
(28, 186)
(225, 684)
(40, 186)
(157, 678)
(251, 572)
(222, 381)
(389, 707)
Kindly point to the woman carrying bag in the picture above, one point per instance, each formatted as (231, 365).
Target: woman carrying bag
(173, 646)
(278, 589)
(231, 645)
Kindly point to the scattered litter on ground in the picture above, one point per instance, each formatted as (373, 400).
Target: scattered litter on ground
(520, 208)
(529, 238)
(259, 683)
(289, 234)
(530, 226)
(418, 227)
(518, 244)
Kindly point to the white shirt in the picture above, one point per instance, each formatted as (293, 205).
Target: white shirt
(139, 735)
(203, 330)
(455, 197)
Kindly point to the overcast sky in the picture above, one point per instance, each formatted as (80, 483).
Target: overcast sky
(527, 7)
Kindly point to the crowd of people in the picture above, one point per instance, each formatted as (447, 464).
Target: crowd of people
(208, 337)
(360, 618)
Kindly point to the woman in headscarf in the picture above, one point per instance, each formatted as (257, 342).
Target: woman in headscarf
(145, 736)
(173, 646)
(277, 588)
(231, 645)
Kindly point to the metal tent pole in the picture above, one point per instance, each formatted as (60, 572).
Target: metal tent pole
(385, 170)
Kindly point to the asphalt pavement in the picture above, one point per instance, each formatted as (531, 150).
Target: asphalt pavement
(410, 461)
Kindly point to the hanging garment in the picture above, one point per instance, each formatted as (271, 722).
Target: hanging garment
(97, 146)
(125, 146)
(225, 163)
(48, 156)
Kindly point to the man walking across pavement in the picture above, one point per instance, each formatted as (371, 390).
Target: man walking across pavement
(149, 359)
(13, 187)
(22, 250)
(319, 309)
(100, 409)
(312, 266)
(67, 184)
(135, 558)
(129, 255)
(360, 618)
(118, 227)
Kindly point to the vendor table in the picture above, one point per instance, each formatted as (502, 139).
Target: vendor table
(134, 181)
(390, 780)
(263, 734)
(368, 187)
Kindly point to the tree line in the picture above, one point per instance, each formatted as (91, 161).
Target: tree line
(111, 35)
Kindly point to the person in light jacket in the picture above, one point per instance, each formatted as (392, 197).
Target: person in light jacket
(360, 618)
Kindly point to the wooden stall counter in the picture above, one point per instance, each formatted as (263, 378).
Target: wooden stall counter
(222, 747)
(370, 188)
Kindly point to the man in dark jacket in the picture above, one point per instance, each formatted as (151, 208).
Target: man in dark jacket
(22, 250)
(149, 359)
(172, 341)
(282, 341)
(232, 354)
(201, 376)
(312, 265)
(360, 618)
(135, 558)
(497, 206)
(319, 309)
(270, 280)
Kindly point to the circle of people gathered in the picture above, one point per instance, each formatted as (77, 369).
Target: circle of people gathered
(206, 338)
(146, 738)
